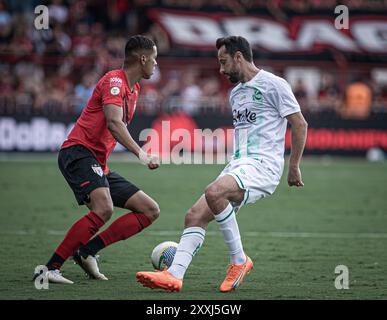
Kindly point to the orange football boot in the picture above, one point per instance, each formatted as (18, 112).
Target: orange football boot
(160, 280)
(235, 275)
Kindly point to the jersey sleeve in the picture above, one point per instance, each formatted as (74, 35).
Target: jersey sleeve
(283, 98)
(112, 91)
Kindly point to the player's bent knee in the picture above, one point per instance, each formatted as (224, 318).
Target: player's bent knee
(213, 192)
(101, 203)
(152, 212)
(104, 211)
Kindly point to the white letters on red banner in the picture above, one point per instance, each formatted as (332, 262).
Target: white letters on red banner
(200, 31)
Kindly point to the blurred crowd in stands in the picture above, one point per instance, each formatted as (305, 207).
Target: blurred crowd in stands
(54, 71)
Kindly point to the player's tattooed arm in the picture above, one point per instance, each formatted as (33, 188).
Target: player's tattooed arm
(117, 127)
(298, 137)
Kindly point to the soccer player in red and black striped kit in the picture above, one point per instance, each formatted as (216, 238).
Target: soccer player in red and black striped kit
(83, 162)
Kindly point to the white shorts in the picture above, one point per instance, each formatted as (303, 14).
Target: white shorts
(251, 176)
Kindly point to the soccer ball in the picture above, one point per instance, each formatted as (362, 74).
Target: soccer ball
(163, 254)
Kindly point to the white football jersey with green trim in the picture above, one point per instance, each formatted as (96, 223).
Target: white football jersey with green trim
(259, 108)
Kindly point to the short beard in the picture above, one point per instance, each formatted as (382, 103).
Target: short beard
(234, 77)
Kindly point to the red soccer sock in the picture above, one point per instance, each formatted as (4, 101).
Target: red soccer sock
(79, 234)
(124, 227)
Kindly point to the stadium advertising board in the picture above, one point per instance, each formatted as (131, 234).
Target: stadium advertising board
(343, 137)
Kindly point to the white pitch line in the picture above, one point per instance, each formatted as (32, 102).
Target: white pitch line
(267, 234)
(276, 234)
(360, 235)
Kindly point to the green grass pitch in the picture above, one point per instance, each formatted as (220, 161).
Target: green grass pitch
(296, 238)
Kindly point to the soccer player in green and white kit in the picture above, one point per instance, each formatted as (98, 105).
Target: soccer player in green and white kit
(261, 103)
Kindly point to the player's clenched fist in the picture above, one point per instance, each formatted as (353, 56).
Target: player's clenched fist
(151, 160)
(294, 177)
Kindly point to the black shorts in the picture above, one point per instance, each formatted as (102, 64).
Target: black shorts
(84, 174)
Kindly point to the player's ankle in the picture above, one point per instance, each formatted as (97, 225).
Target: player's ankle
(177, 271)
(55, 263)
(51, 267)
(238, 259)
(84, 252)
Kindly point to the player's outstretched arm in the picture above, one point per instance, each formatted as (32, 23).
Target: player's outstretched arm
(114, 115)
(299, 130)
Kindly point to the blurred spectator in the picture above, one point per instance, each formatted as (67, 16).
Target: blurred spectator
(383, 96)
(212, 97)
(358, 98)
(78, 13)
(60, 43)
(84, 90)
(116, 11)
(5, 28)
(149, 100)
(5, 17)
(171, 93)
(58, 11)
(301, 95)
(328, 94)
(192, 93)
(21, 44)
(82, 42)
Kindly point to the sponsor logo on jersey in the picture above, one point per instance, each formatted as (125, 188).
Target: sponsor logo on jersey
(115, 82)
(244, 116)
(242, 99)
(115, 91)
(97, 169)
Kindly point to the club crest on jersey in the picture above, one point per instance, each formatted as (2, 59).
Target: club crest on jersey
(97, 169)
(115, 91)
(115, 82)
(257, 96)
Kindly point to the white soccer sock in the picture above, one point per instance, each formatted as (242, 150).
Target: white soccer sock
(190, 242)
(229, 227)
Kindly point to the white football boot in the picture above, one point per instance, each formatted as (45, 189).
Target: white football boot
(89, 265)
(54, 276)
